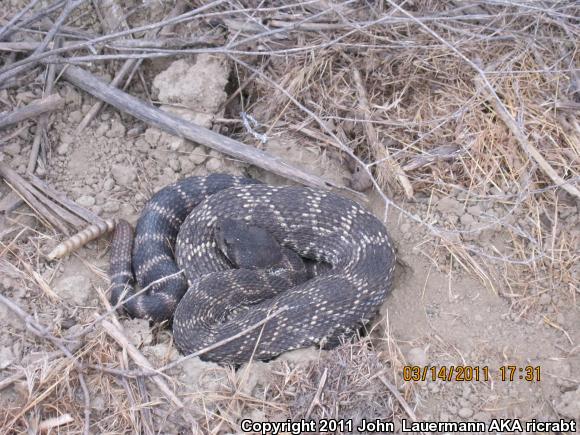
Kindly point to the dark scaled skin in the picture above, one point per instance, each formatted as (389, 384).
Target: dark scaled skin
(150, 255)
(349, 258)
(222, 303)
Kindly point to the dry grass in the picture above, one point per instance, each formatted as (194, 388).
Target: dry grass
(433, 121)
(426, 99)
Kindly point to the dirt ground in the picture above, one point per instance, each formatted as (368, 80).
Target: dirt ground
(453, 303)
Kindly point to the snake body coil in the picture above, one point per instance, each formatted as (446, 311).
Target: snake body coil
(213, 302)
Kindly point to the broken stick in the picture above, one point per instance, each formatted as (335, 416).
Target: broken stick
(38, 107)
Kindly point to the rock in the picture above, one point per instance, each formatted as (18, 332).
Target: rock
(102, 129)
(75, 289)
(62, 149)
(108, 184)
(545, 299)
(198, 155)
(174, 164)
(200, 85)
(152, 136)
(161, 155)
(452, 218)
(86, 201)
(117, 129)
(482, 416)
(465, 412)
(142, 145)
(161, 353)
(213, 164)
(300, 356)
(255, 373)
(569, 404)
(187, 167)
(467, 220)
(475, 210)
(173, 142)
(169, 174)
(138, 331)
(7, 357)
(25, 97)
(75, 117)
(40, 171)
(111, 207)
(123, 175)
(12, 149)
(202, 375)
(449, 205)
(417, 357)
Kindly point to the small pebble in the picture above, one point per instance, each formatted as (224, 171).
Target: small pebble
(62, 148)
(102, 129)
(75, 289)
(545, 299)
(467, 219)
(111, 207)
(465, 412)
(75, 117)
(7, 357)
(198, 155)
(86, 201)
(417, 357)
(174, 164)
(108, 184)
(117, 129)
(482, 416)
(213, 164)
(13, 148)
(123, 175)
(142, 145)
(40, 171)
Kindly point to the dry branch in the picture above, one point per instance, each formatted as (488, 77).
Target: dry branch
(47, 104)
(129, 65)
(525, 144)
(182, 128)
(18, 21)
(70, 6)
(24, 189)
(59, 197)
(41, 136)
(44, 200)
(138, 357)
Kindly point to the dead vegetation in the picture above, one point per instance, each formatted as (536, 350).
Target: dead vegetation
(424, 100)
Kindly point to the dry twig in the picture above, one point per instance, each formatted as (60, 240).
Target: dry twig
(47, 104)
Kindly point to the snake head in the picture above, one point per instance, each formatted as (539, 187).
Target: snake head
(247, 246)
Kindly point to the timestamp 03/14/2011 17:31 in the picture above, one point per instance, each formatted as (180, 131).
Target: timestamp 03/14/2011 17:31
(508, 373)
